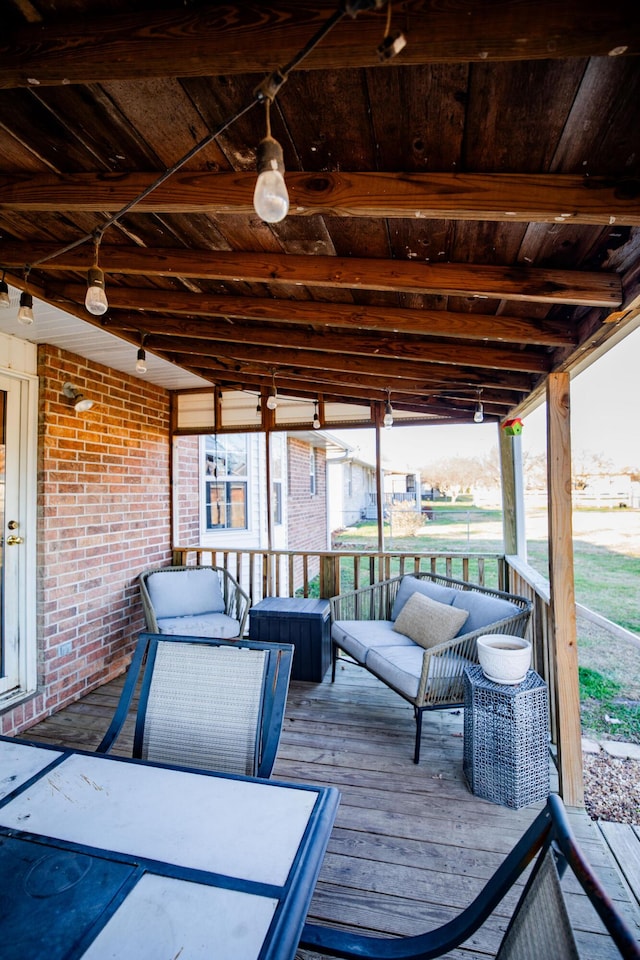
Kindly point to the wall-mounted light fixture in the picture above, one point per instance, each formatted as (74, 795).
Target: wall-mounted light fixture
(478, 415)
(80, 403)
(388, 412)
(5, 299)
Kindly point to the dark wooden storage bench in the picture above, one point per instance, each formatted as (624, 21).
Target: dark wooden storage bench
(303, 622)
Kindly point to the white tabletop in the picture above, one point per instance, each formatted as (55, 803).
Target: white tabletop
(195, 865)
(20, 761)
(235, 827)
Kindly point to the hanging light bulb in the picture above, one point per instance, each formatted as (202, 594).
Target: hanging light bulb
(5, 299)
(388, 412)
(478, 415)
(96, 299)
(25, 310)
(316, 417)
(270, 197)
(141, 362)
(272, 399)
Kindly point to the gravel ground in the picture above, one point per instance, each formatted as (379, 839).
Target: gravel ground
(612, 788)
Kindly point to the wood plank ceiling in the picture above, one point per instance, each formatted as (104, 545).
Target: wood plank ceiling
(463, 218)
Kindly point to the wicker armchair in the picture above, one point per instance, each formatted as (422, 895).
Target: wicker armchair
(203, 601)
(428, 679)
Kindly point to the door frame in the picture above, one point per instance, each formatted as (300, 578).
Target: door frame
(23, 586)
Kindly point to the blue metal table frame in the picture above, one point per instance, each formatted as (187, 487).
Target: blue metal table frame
(101, 854)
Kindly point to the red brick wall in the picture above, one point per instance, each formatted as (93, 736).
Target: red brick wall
(103, 516)
(307, 514)
(187, 484)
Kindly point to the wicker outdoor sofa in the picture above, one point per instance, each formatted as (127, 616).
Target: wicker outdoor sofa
(428, 674)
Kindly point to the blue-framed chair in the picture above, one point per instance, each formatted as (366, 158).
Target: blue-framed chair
(206, 703)
(540, 928)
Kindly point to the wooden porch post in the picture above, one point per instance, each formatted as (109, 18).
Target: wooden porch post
(515, 542)
(379, 493)
(563, 608)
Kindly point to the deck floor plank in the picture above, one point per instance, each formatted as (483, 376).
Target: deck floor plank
(411, 846)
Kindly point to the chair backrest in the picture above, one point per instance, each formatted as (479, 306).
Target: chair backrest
(209, 704)
(540, 928)
(177, 591)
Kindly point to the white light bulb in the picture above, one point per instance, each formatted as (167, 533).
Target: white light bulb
(478, 416)
(270, 197)
(141, 362)
(25, 310)
(388, 416)
(272, 401)
(96, 299)
(5, 299)
(82, 404)
(316, 423)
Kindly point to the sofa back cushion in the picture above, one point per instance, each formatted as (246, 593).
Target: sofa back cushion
(183, 593)
(428, 622)
(410, 585)
(483, 609)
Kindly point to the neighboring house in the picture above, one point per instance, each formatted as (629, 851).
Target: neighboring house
(353, 494)
(222, 496)
(607, 490)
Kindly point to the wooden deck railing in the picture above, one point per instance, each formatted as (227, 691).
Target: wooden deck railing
(284, 573)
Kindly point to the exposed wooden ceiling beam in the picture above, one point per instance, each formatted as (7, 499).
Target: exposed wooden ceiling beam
(407, 348)
(537, 285)
(244, 38)
(350, 384)
(314, 360)
(538, 198)
(125, 303)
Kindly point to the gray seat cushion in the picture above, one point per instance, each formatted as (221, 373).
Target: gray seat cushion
(215, 625)
(401, 666)
(182, 593)
(409, 585)
(483, 609)
(356, 637)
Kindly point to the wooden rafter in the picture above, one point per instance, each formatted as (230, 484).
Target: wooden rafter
(249, 38)
(550, 198)
(433, 323)
(537, 285)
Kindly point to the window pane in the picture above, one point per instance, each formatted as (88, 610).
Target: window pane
(237, 507)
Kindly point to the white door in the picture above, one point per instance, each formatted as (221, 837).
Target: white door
(17, 537)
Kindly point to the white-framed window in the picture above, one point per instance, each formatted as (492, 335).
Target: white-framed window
(277, 477)
(226, 481)
(313, 482)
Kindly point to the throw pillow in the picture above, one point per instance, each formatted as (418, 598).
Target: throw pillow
(428, 622)
(410, 585)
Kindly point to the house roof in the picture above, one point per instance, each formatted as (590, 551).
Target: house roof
(463, 217)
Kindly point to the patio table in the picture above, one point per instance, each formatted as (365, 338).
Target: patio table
(105, 857)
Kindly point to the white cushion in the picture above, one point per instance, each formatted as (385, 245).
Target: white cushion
(483, 609)
(217, 625)
(355, 637)
(428, 622)
(410, 585)
(181, 593)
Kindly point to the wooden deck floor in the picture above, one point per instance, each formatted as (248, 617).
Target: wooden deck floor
(411, 845)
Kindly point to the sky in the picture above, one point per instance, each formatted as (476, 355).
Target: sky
(605, 400)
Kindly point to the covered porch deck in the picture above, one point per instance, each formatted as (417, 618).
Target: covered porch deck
(411, 845)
